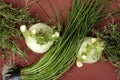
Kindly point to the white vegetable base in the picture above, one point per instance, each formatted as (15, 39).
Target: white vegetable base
(32, 43)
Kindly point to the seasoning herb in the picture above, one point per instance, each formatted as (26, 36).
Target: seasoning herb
(110, 33)
(9, 33)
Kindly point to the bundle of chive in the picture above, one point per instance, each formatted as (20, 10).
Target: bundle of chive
(83, 16)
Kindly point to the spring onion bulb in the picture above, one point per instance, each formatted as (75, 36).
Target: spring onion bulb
(90, 51)
(40, 37)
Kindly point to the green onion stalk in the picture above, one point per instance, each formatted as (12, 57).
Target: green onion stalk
(83, 16)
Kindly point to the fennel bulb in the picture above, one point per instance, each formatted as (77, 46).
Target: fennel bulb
(40, 37)
(90, 51)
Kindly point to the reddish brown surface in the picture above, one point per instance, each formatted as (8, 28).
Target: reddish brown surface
(96, 71)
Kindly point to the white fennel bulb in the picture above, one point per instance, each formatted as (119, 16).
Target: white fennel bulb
(90, 51)
(39, 37)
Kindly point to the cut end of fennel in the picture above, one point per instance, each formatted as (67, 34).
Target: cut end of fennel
(84, 57)
(55, 35)
(23, 28)
(79, 64)
(34, 31)
(93, 40)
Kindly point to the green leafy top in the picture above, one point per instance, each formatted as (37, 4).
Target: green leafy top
(111, 34)
(9, 19)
